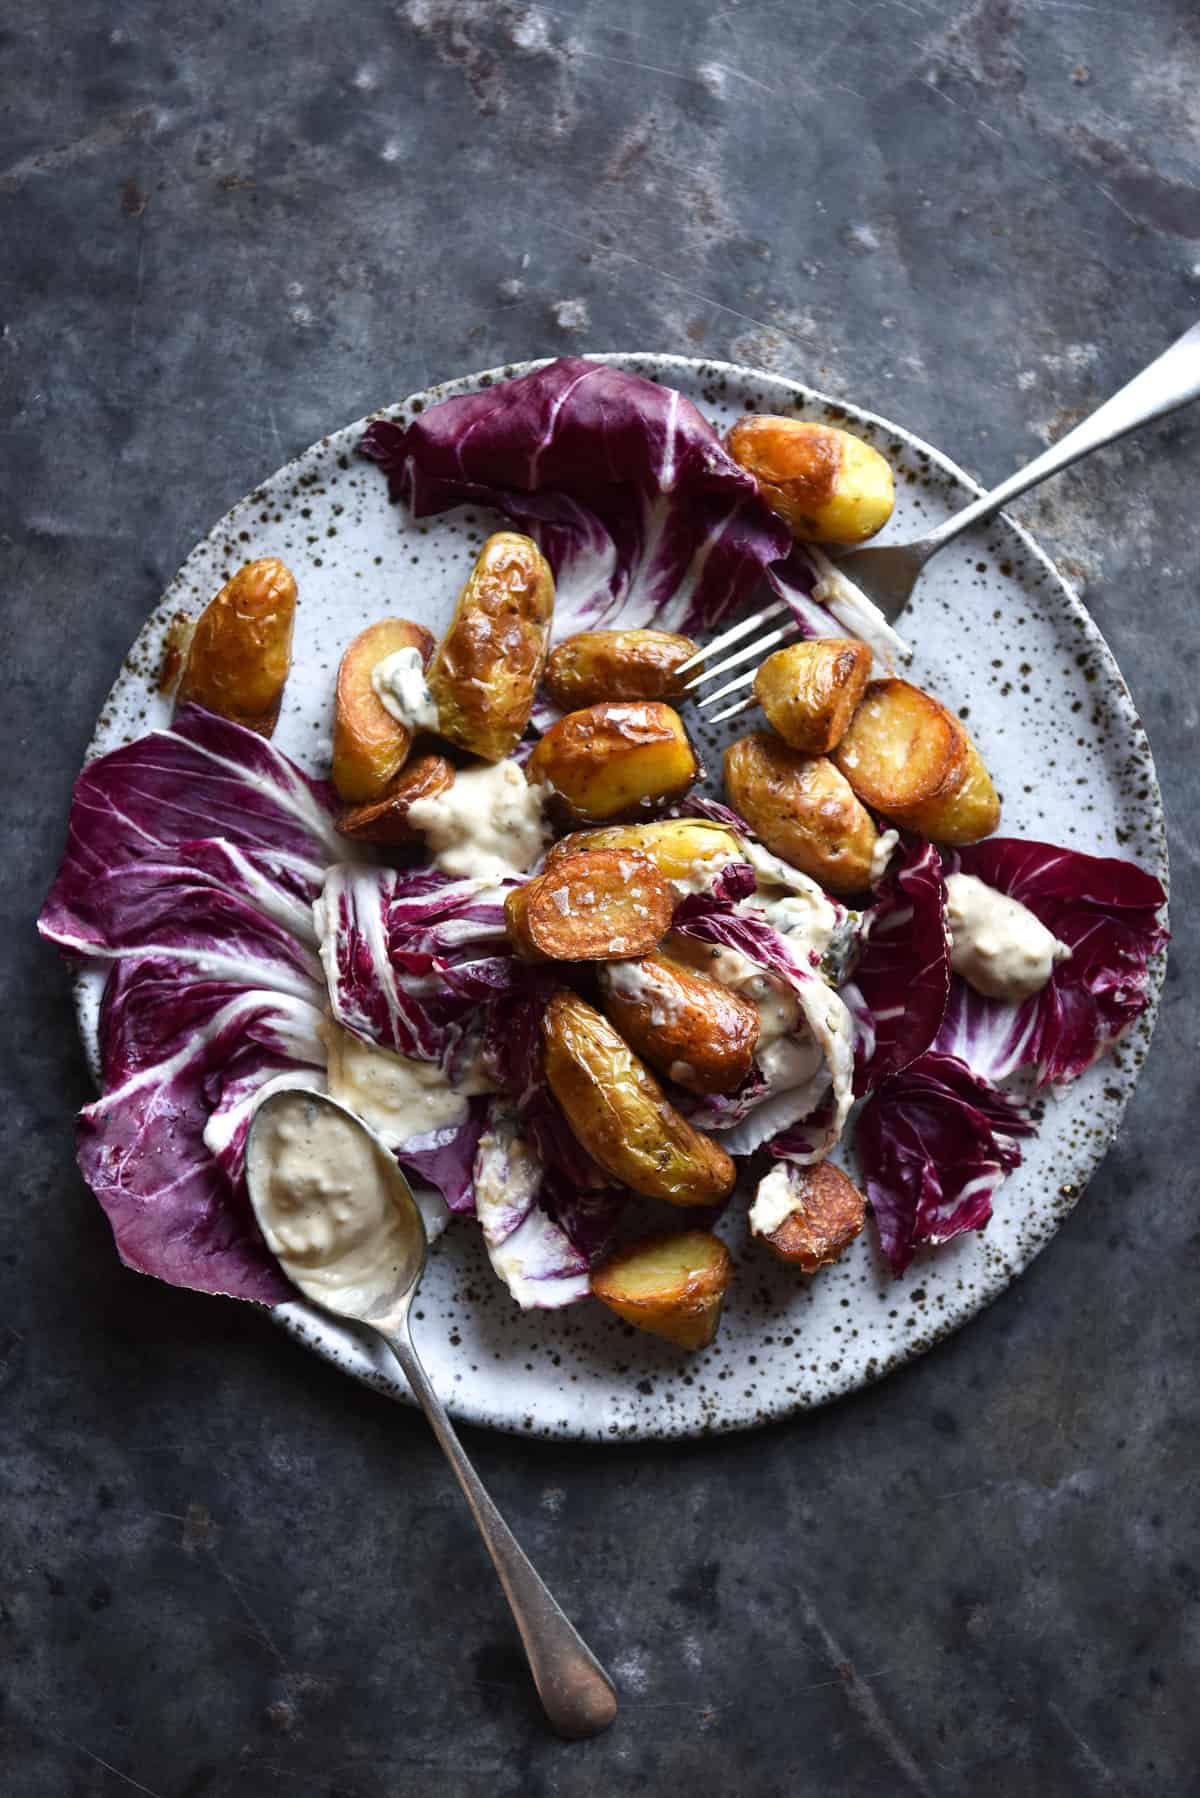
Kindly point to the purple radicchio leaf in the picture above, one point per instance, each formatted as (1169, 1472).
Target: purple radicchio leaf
(903, 971)
(934, 1142)
(445, 1158)
(1106, 911)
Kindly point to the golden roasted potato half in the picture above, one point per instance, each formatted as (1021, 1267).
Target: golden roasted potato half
(615, 758)
(633, 664)
(828, 1214)
(803, 810)
(241, 649)
(618, 1110)
(827, 485)
(680, 848)
(385, 820)
(369, 745)
(810, 691)
(697, 1032)
(910, 758)
(589, 907)
(672, 1286)
(488, 665)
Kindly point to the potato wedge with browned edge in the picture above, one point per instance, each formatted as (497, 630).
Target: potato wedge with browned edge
(634, 664)
(803, 810)
(907, 755)
(827, 485)
(385, 820)
(697, 1032)
(828, 1211)
(488, 665)
(369, 745)
(611, 759)
(620, 1114)
(810, 691)
(681, 849)
(672, 1286)
(241, 649)
(589, 907)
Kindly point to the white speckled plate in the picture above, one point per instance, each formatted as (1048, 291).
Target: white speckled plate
(998, 634)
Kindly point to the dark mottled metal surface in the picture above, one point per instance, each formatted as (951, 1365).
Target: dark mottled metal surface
(228, 1572)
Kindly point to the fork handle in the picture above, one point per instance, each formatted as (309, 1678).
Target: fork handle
(1171, 380)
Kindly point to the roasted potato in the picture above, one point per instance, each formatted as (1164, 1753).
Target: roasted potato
(634, 664)
(810, 691)
(610, 759)
(618, 1111)
(672, 1286)
(176, 642)
(688, 1026)
(588, 907)
(910, 758)
(241, 649)
(369, 745)
(803, 810)
(680, 848)
(827, 485)
(827, 1212)
(385, 820)
(488, 665)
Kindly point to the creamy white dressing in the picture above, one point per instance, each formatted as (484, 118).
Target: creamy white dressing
(399, 1097)
(774, 1200)
(881, 855)
(324, 1199)
(792, 1061)
(398, 683)
(644, 984)
(997, 944)
(489, 824)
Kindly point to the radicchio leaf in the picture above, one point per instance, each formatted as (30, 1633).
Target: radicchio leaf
(934, 1142)
(903, 972)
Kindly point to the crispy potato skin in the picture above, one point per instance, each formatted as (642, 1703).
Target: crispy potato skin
(369, 745)
(672, 1286)
(618, 1111)
(176, 644)
(827, 485)
(803, 810)
(589, 907)
(241, 648)
(488, 665)
(615, 758)
(674, 845)
(385, 820)
(810, 691)
(908, 756)
(634, 664)
(963, 813)
(688, 1026)
(828, 1217)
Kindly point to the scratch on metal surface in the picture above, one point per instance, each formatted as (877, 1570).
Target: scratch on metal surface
(1087, 1753)
(862, 1700)
(118, 130)
(135, 1784)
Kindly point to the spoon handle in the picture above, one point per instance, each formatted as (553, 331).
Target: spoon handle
(576, 1693)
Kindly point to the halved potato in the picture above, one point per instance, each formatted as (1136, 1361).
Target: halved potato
(241, 649)
(803, 810)
(827, 485)
(810, 691)
(909, 757)
(620, 1114)
(488, 665)
(963, 812)
(828, 1213)
(697, 1032)
(634, 664)
(588, 907)
(385, 820)
(680, 848)
(609, 759)
(369, 745)
(672, 1286)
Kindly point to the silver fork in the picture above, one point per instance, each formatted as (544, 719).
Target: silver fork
(888, 572)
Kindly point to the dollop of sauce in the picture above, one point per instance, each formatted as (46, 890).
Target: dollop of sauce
(398, 683)
(997, 944)
(881, 855)
(489, 824)
(324, 1199)
(398, 1096)
(773, 1201)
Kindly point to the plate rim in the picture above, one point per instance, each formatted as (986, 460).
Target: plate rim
(305, 1323)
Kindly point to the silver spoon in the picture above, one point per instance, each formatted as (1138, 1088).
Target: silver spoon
(576, 1693)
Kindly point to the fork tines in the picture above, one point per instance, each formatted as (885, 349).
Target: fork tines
(753, 652)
